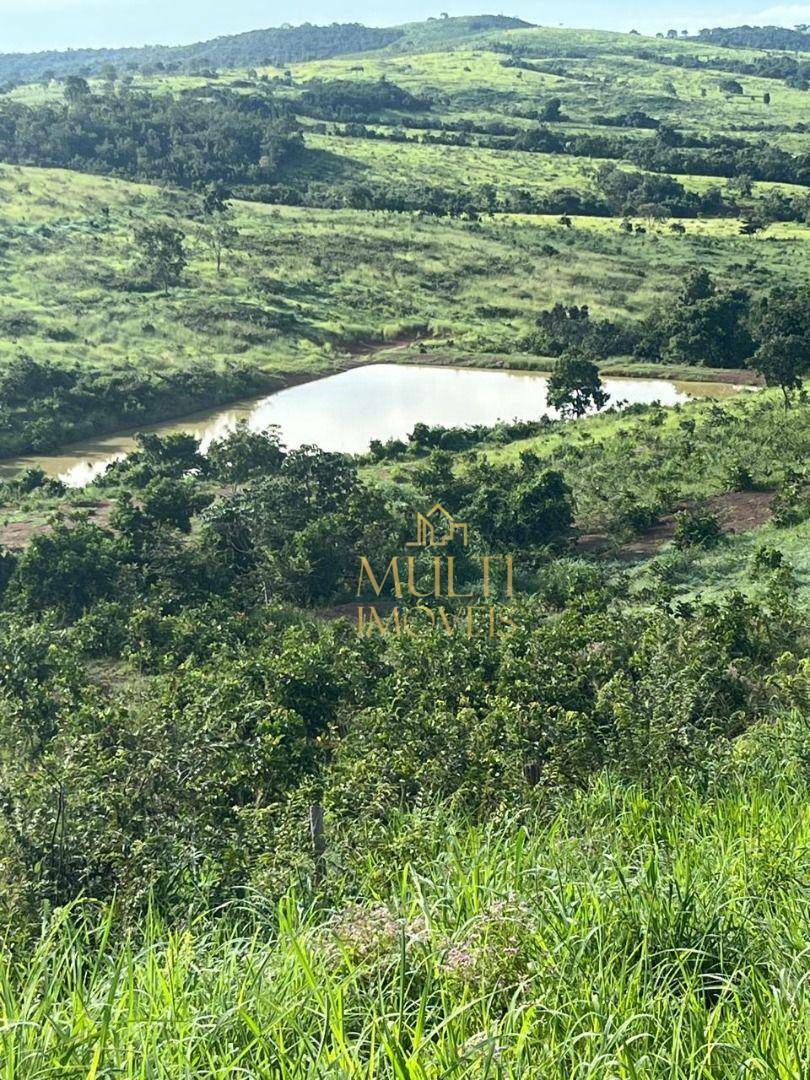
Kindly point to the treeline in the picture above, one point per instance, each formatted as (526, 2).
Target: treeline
(44, 406)
(417, 197)
(185, 141)
(758, 37)
(341, 99)
(671, 151)
(794, 71)
(702, 325)
(791, 70)
(425, 438)
(617, 192)
(286, 45)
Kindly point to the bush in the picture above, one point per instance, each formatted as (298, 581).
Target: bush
(67, 570)
(766, 558)
(697, 528)
(740, 478)
(632, 516)
(791, 505)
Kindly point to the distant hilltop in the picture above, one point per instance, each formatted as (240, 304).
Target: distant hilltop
(277, 46)
(284, 45)
(759, 37)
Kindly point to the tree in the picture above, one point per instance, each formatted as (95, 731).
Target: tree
(215, 199)
(653, 212)
(575, 386)
(540, 504)
(162, 252)
(742, 184)
(66, 570)
(169, 502)
(711, 330)
(750, 226)
(171, 455)
(699, 286)
(766, 98)
(783, 361)
(217, 232)
(244, 454)
(551, 111)
(76, 90)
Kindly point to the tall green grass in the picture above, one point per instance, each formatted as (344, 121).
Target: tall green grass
(628, 934)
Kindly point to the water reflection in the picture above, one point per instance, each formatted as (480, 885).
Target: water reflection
(346, 411)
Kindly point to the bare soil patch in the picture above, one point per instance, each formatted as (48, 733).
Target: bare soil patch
(17, 535)
(737, 511)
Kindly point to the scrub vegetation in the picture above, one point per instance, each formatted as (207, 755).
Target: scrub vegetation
(538, 809)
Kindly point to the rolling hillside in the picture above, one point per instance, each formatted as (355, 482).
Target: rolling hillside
(256, 47)
(544, 816)
(445, 188)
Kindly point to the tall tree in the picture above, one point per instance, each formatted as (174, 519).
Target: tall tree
(216, 231)
(575, 386)
(783, 361)
(162, 252)
(76, 90)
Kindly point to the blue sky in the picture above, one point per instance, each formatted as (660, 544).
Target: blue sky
(28, 25)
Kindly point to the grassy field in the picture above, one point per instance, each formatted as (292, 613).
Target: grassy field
(606, 83)
(654, 935)
(461, 168)
(301, 285)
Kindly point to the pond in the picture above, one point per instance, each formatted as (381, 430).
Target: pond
(346, 411)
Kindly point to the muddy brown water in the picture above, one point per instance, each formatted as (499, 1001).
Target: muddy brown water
(346, 411)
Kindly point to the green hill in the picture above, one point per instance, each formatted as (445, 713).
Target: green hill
(758, 37)
(282, 45)
(544, 814)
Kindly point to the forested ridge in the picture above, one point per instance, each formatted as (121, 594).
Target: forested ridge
(279, 46)
(759, 37)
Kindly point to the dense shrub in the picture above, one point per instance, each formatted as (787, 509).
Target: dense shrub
(696, 528)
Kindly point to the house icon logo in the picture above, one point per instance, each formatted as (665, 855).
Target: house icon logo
(437, 528)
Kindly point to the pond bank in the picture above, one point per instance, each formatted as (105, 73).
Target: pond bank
(346, 411)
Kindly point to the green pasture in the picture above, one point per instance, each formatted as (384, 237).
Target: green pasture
(607, 81)
(466, 167)
(322, 279)
(595, 73)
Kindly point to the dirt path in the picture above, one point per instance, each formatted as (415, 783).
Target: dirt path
(17, 535)
(737, 511)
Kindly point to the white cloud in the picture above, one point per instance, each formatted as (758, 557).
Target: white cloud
(784, 14)
(776, 15)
